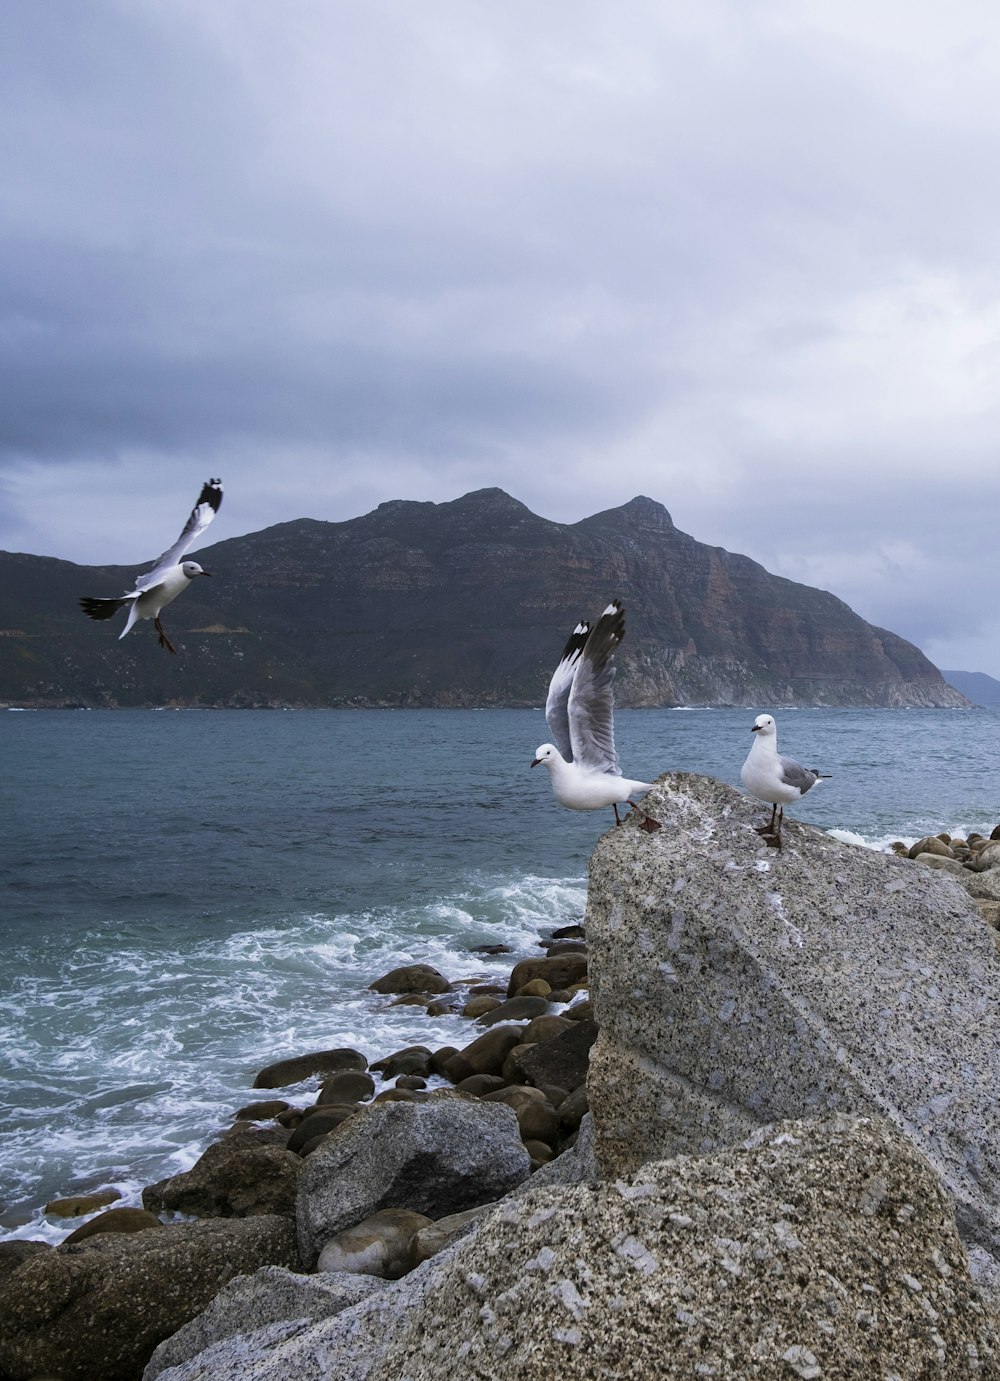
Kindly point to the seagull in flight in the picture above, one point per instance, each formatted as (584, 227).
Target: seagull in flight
(168, 578)
(774, 779)
(583, 763)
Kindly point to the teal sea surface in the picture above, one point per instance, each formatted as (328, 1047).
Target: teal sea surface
(190, 895)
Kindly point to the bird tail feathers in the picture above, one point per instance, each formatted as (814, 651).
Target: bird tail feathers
(101, 608)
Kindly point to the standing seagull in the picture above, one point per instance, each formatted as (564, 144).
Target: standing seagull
(773, 778)
(169, 576)
(583, 763)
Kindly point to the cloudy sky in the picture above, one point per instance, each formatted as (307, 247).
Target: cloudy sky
(742, 256)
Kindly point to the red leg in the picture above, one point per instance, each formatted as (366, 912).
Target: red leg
(164, 640)
(648, 823)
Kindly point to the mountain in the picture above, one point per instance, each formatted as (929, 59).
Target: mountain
(976, 686)
(461, 603)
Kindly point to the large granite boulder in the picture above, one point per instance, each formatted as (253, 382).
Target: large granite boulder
(96, 1310)
(821, 1249)
(736, 984)
(437, 1157)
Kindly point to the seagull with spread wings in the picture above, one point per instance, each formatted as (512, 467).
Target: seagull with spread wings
(169, 577)
(583, 762)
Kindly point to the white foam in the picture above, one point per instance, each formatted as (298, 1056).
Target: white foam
(158, 1047)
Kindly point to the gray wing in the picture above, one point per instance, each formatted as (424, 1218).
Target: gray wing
(794, 774)
(556, 715)
(590, 708)
(209, 501)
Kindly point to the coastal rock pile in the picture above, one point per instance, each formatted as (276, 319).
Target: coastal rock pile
(818, 1249)
(791, 1159)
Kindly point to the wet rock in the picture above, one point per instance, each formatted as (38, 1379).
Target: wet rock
(536, 988)
(443, 1006)
(413, 1059)
(234, 1178)
(411, 978)
(486, 1054)
(411, 1082)
(568, 932)
(347, 1086)
(319, 1122)
(440, 1058)
(300, 1067)
(478, 1084)
(80, 1204)
(545, 1028)
(380, 1245)
(261, 1112)
(115, 1220)
(479, 1006)
(562, 971)
(515, 1009)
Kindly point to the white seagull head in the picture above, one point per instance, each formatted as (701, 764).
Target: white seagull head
(765, 725)
(191, 569)
(546, 754)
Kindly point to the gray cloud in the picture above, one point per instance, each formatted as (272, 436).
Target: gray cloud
(739, 257)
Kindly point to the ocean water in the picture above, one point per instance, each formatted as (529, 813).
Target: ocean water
(190, 895)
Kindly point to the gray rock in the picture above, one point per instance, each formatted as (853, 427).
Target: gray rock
(564, 1059)
(736, 985)
(96, 1311)
(821, 1249)
(251, 1303)
(440, 1156)
(234, 1178)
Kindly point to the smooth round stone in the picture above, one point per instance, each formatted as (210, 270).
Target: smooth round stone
(348, 1086)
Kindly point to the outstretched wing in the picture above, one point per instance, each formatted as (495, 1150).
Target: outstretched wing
(591, 699)
(209, 501)
(559, 688)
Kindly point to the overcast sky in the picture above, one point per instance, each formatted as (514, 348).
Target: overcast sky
(741, 257)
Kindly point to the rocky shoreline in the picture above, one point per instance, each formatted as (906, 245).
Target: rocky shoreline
(312, 1205)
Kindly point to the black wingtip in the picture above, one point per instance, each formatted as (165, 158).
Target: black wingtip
(575, 642)
(607, 633)
(211, 493)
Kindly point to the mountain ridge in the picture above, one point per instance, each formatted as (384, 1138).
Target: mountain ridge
(466, 602)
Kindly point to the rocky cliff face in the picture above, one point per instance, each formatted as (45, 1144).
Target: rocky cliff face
(463, 603)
